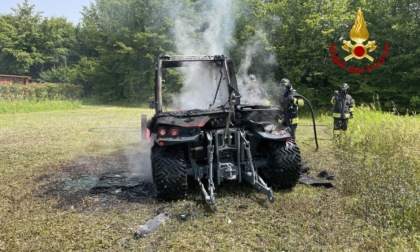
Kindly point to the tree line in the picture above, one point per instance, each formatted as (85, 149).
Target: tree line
(112, 51)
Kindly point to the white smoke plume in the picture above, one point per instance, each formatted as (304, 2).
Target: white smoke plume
(255, 92)
(139, 165)
(199, 88)
(211, 33)
(208, 34)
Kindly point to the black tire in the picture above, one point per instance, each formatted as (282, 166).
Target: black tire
(169, 172)
(283, 166)
(143, 128)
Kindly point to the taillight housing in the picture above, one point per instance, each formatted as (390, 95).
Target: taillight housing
(161, 132)
(174, 132)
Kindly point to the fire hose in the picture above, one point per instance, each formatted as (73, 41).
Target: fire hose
(313, 117)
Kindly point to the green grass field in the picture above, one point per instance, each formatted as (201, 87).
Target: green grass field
(25, 106)
(47, 158)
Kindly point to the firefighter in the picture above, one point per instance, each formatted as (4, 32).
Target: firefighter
(342, 110)
(289, 106)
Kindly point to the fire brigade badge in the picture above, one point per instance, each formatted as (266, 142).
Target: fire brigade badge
(359, 34)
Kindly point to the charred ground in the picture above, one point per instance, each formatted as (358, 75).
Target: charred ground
(88, 182)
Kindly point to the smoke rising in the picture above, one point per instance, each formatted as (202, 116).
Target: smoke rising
(140, 165)
(199, 88)
(210, 32)
(136, 163)
(253, 51)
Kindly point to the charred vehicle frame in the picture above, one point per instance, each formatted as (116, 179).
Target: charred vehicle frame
(230, 141)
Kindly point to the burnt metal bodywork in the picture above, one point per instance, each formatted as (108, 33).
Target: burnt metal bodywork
(229, 142)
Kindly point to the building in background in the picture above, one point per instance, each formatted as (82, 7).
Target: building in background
(14, 79)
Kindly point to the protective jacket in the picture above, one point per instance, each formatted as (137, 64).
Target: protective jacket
(289, 106)
(343, 105)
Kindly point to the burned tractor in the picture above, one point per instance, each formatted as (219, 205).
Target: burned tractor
(220, 139)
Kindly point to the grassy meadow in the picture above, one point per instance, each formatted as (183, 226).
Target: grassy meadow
(373, 206)
(25, 106)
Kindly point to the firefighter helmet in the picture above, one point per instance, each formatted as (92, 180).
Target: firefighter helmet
(344, 86)
(285, 82)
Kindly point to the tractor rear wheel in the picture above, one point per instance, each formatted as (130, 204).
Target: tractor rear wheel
(283, 166)
(169, 172)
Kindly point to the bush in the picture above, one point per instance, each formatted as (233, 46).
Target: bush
(38, 92)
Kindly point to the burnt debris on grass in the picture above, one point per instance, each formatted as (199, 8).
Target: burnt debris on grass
(104, 177)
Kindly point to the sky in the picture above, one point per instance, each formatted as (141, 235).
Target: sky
(70, 9)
